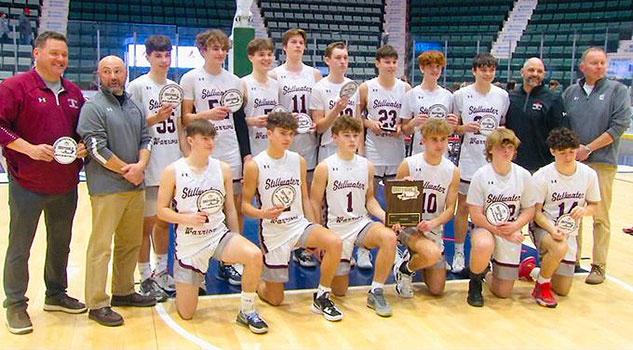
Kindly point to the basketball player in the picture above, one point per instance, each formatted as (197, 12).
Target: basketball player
(565, 189)
(427, 100)
(277, 176)
(346, 180)
(201, 189)
(163, 121)
(501, 201)
(425, 243)
(203, 90)
(260, 92)
(479, 104)
(296, 81)
(326, 104)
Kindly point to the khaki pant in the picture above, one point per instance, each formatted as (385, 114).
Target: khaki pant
(121, 215)
(601, 222)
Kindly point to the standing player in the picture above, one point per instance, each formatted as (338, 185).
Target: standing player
(296, 81)
(201, 189)
(427, 100)
(566, 190)
(203, 90)
(481, 108)
(260, 92)
(425, 242)
(501, 201)
(164, 125)
(278, 176)
(346, 179)
(326, 104)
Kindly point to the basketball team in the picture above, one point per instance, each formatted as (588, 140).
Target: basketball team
(304, 155)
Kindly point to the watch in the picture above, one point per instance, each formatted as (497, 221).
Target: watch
(587, 149)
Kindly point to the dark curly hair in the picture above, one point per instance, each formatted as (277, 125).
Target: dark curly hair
(562, 138)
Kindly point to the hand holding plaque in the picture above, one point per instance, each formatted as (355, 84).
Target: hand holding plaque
(404, 202)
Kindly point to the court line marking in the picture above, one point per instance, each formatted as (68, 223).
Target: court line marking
(184, 333)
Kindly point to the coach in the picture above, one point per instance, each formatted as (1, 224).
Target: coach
(599, 113)
(37, 108)
(534, 111)
(117, 137)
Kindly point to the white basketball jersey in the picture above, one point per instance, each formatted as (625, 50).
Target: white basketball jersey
(261, 100)
(472, 106)
(295, 91)
(560, 193)
(435, 104)
(325, 94)
(345, 193)
(516, 189)
(279, 183)
(190, 186)
(383, 105)
(144, 91)
(206, 91)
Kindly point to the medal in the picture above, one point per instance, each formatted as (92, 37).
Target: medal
(65, 150)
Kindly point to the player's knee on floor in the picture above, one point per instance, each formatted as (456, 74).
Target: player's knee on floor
(186, 313)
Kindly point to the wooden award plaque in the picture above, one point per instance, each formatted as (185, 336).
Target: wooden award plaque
(404, 202)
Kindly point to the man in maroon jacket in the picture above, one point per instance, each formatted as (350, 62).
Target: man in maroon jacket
(38, 108)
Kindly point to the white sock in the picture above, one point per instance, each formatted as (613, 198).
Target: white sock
(541, 279)
(145, 269)
(459, 247)
(535, 273)
(375, 285)
(161, 262)
(322, 290)
(247, 302)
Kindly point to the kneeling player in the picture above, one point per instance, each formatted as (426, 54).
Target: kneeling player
(346, 180)
(425, 242)
(566, 190)
(201, 188)
(287, 221)
(500, 202)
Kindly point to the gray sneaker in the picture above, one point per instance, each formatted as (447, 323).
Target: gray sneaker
(150, 287)
(18, 321)
(376, 300)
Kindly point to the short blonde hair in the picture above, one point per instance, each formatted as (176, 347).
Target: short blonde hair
(499, 137)
(432, 57)
(435, 127)
(212, 36)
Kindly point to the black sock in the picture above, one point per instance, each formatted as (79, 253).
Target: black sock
(404, 269)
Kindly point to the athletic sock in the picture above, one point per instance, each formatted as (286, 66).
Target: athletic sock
(459, 247)
(145, 270)
(376, 285)
(247, 302)
(541, 279)
(404, 268)
(322, 290)
(535, 273)
(161, 262)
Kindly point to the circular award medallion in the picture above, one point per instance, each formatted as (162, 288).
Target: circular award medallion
(348, 89)
(210, 201)
(171, 94)
(232, 99)
(65, 150)
(487, 124)
(283, 196)
(279, 109)
(305, 123)
(566, 224)
(497, 213)
(437, 111)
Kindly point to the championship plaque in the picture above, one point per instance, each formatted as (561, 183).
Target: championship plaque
(348, 89)
(280, 109)
(232, 99)
(65, 150)
(497, 213)
(211, 201)
(404, 202)
(487, 124)
(171, 94)
(566, 224)
(437, 111)
(386, 127)
(283, 196)
(304, 123)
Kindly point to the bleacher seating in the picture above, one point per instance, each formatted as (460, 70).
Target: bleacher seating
(357, 22)
(17, 58)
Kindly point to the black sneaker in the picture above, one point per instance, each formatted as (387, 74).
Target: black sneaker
(105, 316)
(230, 274)
(18, 321)
(64, 303)
(150, 288)
(304, 258)
(253, 322)
(323, 305)
(133, 299)
(474, 291)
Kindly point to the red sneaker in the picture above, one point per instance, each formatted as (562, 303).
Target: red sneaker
(527, 265)
(543, 295)
(628, 230)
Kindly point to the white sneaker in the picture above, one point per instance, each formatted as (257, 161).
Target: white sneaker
(404, 282)
(164, 280)
(458, 264)
(363, 258)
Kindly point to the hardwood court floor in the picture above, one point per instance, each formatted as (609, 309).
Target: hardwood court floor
(592, 317)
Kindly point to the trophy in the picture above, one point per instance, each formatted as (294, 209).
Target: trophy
(404, 202)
